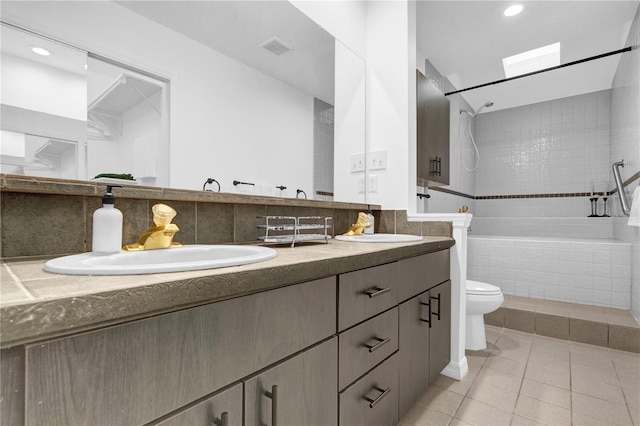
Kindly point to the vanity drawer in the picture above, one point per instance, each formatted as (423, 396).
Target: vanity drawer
(366, 345)
(372, 400)
(224, 407)
(145, 369)
(423, 272)
(365, 293)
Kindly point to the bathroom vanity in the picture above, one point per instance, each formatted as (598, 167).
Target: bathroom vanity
(327, 334)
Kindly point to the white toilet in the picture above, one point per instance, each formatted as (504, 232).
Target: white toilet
(482, 298)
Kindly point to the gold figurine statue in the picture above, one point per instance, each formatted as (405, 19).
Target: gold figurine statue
(358, 227)
(158, 236)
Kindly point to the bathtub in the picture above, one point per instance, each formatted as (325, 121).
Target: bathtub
(586, 271)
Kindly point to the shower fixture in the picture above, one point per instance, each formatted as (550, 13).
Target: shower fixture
(471, 116)
(487, 104)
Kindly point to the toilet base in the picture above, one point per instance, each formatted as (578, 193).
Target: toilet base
(475, 338)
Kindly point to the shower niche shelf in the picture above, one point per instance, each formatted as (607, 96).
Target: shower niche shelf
(292, 229)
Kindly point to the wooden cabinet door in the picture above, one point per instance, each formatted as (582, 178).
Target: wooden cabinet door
(366, 345)
(372, 400)
(414, 351)
(300, 391)
(365, 293)
(224, 409)
(432, 133)
(140, 371)
(421, 273)
(12, 386)
(440, 344)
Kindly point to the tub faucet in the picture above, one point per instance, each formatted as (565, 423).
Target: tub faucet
(158, 236)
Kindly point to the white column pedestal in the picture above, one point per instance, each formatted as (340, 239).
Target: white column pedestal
(458, 366)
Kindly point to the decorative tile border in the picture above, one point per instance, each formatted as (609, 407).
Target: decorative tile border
(626, 183)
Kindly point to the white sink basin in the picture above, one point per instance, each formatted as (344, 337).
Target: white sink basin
(380, 238)
(185, 258)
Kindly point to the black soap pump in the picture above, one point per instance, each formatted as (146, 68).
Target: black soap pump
(107, 225)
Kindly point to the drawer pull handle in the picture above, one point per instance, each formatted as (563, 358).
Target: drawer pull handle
(376, 291)
(377, 345)
(437, 314)
(428, 321)
(273, 395)
(223, 421)
(373, 402)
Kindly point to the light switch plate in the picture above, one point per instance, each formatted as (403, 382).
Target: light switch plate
(357, 163)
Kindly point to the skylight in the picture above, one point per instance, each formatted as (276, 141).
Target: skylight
(532, 60)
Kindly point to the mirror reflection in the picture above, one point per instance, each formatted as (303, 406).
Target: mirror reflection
(44, 101)
(127, 122)
(250, 99)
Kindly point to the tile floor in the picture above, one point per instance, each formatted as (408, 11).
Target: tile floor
(528, 379)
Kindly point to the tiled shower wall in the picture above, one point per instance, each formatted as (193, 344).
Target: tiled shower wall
(625, 144)
(558, 146)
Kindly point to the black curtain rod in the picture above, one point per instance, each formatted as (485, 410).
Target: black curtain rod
(568, 64)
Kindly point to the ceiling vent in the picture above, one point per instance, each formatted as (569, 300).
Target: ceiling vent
(276, 46)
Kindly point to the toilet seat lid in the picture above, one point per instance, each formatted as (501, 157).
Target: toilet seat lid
(480, 288)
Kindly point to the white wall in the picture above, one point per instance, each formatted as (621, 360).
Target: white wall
(343, 19)
(215, 123)
(391, 120)
(349, 127)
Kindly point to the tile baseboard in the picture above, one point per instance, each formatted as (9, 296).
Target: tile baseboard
(594, 325)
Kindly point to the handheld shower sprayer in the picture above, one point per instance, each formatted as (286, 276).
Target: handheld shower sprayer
(471, 116)
(487, 104)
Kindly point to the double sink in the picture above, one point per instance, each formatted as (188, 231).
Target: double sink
(185, 258)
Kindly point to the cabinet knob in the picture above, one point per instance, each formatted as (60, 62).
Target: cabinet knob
(373, 402)
(377, 345)
(273, 395)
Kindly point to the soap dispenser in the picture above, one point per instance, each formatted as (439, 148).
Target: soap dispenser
(371, 220)
(107, 225)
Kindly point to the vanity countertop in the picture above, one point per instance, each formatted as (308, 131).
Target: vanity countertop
(37, 305)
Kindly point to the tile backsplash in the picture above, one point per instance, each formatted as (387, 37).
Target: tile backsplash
(50, 217)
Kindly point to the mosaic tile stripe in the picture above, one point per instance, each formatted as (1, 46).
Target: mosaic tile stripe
(628, 182)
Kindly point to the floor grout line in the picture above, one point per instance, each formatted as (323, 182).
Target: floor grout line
(567, 411)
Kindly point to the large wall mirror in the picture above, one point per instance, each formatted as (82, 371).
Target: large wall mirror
(175, 93)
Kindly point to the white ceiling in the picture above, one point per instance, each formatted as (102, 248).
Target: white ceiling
(466, 41)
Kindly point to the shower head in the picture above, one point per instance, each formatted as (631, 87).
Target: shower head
(487, 104)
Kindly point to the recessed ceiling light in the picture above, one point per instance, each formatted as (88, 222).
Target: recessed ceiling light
(532, 60)
(513, 10)
(40, 50)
